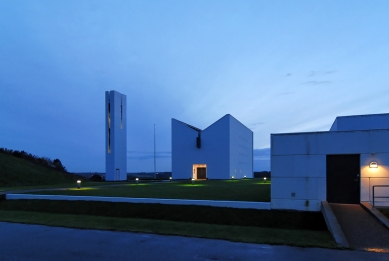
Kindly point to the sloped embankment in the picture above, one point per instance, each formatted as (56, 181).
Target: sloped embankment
(20, 172)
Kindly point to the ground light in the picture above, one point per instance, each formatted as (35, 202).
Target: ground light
(137, 180)
(78, 184)
(244, 176)
(264, 179)
(193, 181)
(232, 177)
(170, 178)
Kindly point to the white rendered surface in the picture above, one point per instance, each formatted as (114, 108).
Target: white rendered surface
(226, 149)
(298, 165)
(115, 136)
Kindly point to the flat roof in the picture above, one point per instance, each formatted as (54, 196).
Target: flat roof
(320, 132)
(364, 115)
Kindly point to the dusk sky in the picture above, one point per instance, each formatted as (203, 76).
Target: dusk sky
(276, 66)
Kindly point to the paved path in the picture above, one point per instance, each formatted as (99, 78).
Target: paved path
(35, 242)
(194, 202)
(361, 229)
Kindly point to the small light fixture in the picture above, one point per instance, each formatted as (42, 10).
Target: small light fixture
(137, 180)
(244, 176)
(170, 178)
(78, 184)
(193, 181)
(264, 179)
(373, 164)
(232, 177)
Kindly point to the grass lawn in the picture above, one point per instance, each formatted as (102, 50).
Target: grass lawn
(303, 238)
(306, 229)
(239, 190)
(69, 185)
(244, 225)
(16, 172)
(384, 211)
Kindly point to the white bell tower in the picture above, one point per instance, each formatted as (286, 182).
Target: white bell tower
(115, 136)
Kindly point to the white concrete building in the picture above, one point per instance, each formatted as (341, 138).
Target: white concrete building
(339, 166)
(223, 150)
(115, 136)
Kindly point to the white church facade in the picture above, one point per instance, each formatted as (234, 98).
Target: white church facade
(342, 165)
(224, 150)
(115, 136)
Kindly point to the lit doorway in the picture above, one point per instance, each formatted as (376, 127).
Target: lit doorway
(199, 171)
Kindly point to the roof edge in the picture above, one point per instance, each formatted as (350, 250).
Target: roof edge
(188, 125)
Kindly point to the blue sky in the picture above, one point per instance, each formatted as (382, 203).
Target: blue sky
(276, 66)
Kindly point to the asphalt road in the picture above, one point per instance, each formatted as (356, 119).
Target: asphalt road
(35, 242)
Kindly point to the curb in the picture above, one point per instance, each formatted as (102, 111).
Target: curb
(210, 203)
(333, 225)
(376, 213)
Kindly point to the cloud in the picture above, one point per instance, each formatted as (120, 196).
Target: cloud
(286, 93)
(316, 82)
(262, 154)
(314, 73)
(256, 124)
(288, 75)
(145, 155)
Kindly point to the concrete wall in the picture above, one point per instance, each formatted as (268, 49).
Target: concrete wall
(241, 150)
(379, 152)
(298, 164)
(184, 150)
(226, 147)
(215, 148)
(361, 122)
(115, 136)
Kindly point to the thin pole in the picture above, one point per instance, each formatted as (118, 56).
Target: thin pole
(155, 166)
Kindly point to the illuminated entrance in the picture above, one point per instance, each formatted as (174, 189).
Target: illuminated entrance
(199, 171)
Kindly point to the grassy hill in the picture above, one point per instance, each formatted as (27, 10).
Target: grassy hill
(15, 172)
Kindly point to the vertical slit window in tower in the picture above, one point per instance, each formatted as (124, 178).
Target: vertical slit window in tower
(109, 127)
(109, 140)
(109, 115)
(121, 116)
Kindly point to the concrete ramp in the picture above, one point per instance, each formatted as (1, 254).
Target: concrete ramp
(361, 229)
(333, 225)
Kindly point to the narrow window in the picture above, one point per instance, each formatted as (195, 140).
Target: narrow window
(109, 141)
(121, 116)
(109, 127)
(109, 115)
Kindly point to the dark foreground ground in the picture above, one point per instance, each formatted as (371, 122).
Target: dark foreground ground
(35, 242)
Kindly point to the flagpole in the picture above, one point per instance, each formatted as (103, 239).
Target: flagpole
(155, 168)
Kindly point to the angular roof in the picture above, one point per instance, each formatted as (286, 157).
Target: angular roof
(200, 130)
(190, 126)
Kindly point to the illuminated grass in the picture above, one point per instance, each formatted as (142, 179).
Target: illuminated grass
(236, 190)
(304, 238)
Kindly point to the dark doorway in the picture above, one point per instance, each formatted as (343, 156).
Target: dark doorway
(343, 179)
(201, 173)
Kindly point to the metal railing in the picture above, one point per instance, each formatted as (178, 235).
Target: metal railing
(374, 197)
